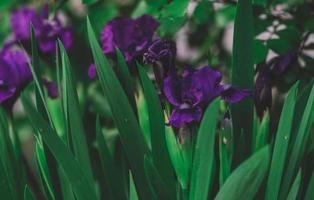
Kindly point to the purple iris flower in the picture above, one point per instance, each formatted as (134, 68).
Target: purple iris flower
(192, 91)
(15, 75)
(47, 31)
(131, 36)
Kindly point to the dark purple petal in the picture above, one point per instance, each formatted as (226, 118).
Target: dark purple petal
(262, 95)
(20, 23)
(204, 85)
(181, 117)
(51, 87)
(92, 71)
(172, 90)
(132, 37)
(15, 73)
(234, 94)
(280, 64)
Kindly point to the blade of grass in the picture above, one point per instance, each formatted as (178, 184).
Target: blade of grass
(281, 145)
(5, 189)
(262, 133)
(81, 185)
(243, 76)
(157, 128)
(245, 181)
(299, 145)
(74, 120)
(123, 116)
(201, 177)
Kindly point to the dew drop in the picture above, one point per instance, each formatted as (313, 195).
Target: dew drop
(286, 137)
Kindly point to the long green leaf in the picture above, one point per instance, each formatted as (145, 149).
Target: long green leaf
(299, 145)
(28, 195)
(309, 195)
(295, 187)
(123, 116)
(113, 177)
(5, 190)
(43, 169)
(157, 128)
(281, 145)
(81, 185)
(245, 181)
(201, 177)
(243, 76)
(156, 182)
(74, 120)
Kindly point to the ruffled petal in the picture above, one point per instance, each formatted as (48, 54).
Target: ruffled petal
(181, 117)
(172, 90)
(234, 94)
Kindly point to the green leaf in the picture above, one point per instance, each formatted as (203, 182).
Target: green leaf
(82, 187)
(177, 8)
(179, 163)
(291, 34)
(157, 184)
(243, 76)
(89, 1)
(262, 133)
(133, 193)
(260, 51)
(295, 187)
(281, 145)
(123, 116)
(309, 195)
(201, 177)
(299, 145)
(245, 181)
(73, 119)
(111, 172)
(170, 25)
(125, 79)
(28, 195)
(203, 12)
(157, 128)
(5, 189)
(279, 46)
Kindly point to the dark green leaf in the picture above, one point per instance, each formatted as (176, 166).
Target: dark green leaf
(279, 46)
(309, 195)
(295, 187)
(243, 76)
(260, 51)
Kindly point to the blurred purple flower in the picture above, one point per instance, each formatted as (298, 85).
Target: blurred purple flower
(131, 36)
(162, 52)
(47, 31)
(191, 92)
(274, 68)
(15, 73)
(92, 71)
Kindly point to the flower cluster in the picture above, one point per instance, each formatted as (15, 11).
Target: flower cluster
(188, 93)
(47, 31)
(274, 68)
